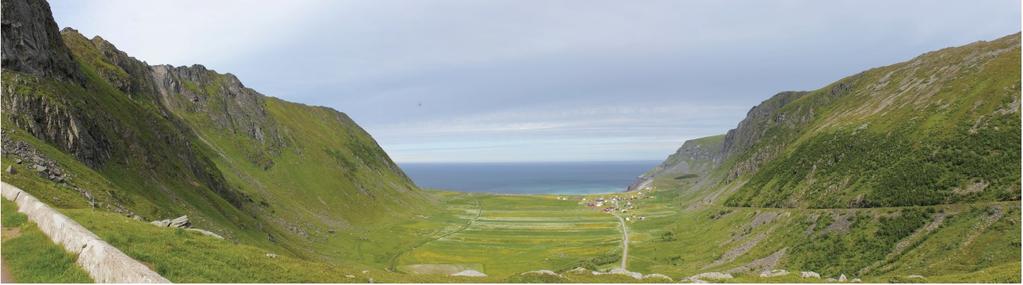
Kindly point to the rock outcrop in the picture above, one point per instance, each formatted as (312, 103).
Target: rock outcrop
(182, 222)
(31, 43)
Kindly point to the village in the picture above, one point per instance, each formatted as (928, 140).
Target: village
(619, 204)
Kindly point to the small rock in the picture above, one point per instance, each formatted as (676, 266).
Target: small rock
(915, 276)
(18, 161)
(830, 280)
(180, 222)
(469, 273)
(365, 272)
(11, 170)
(773, 273)
(842, 278)
(349, 276)
(810, 274)
(271, 255)
(856, 280)
(39, 168)
(635, 275)
(161, 223)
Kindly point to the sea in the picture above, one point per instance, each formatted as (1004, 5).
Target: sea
(564, 178)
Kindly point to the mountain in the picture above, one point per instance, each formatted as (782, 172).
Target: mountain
(941, 128)
(87, 125)
(903, 173)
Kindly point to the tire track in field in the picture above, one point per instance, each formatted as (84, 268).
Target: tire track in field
(393, 264)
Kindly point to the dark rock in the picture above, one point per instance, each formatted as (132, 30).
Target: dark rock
(11, 170)
(31, 43)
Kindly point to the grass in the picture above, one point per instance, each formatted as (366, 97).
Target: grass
(515, 234)
(900, 135)
(32, 257)
(323, 203)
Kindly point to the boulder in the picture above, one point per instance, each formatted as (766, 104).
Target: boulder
(773, 273)
(620, 271)
(10, 170)
(856, 280)
(469, 273)
(915, 276)
(842, 278)
(39, 168)
(810, 274)
(180, 222)
(161, 223)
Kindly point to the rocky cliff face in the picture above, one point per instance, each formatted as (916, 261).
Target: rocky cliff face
(696, 158)
(221, 97)
(31, 43)
(32, 46)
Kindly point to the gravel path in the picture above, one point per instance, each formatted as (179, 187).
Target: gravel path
(5, 276)
(625, 242)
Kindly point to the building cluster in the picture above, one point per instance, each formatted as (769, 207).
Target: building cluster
(619, 204)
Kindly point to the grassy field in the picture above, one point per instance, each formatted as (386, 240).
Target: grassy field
(32, 257)
(954, 242)
(515, 234)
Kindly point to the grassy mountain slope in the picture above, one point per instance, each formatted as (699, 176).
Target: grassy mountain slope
(907, 169)
(87, 126)
(941, 128)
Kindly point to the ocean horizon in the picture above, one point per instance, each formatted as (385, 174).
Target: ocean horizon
(567, 178)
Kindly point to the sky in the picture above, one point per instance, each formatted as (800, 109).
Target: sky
(501, 81)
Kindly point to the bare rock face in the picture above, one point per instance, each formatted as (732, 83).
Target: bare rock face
(58, 123)
(31, 43)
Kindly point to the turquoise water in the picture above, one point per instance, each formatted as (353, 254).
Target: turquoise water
(528, 178)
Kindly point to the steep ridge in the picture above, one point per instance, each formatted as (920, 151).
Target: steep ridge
(153, 142)
(696, 158)
(941, 128)
(885, 175)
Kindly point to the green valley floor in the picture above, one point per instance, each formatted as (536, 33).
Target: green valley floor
(671, 232)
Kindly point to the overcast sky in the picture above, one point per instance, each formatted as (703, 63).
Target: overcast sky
(444, 81)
